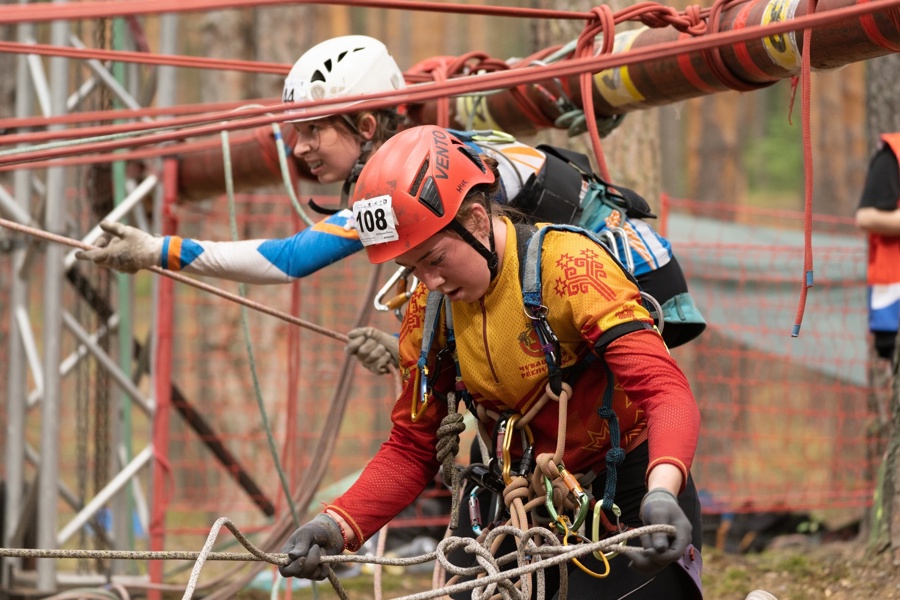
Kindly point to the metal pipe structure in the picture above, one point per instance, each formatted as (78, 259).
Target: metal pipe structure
(18, 295)
(54, 221)
(528, 108)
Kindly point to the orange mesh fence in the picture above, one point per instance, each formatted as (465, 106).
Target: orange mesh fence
(786, 420)
(298, 371)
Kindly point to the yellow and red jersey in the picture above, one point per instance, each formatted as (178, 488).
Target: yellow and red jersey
(504, 368)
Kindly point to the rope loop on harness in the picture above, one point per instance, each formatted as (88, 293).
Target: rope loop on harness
(447, 449)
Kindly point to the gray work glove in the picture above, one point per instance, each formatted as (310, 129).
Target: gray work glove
(375, 349)
(660, 507)
(320, 537)
(124, 248)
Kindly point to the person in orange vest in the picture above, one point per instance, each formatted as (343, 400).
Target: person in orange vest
(878, 215)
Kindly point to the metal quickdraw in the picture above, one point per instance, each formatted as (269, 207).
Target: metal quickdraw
(599, 555)
(424, 385)
(475, 508)
(595, 527)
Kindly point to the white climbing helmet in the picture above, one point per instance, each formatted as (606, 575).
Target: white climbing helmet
(343, 66)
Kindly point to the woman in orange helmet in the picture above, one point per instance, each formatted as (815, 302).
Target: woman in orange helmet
(423, 201)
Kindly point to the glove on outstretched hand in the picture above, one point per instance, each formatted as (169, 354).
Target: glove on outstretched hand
(660, 507)
(375, 349)
(320, 537)
(124, 248)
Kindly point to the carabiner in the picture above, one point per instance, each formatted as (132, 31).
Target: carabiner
(583, 502)
(595, 529)
(576, 490)
(402, 294)
(421, 394)
(475, 510)
(527, 461)
(601, 557)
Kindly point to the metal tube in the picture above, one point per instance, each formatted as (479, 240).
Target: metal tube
(12, 210)
(108, 363)
(102, 497)
(72, 360)
(30, 347)
(108, 80)
(15, 368)
(55, 221)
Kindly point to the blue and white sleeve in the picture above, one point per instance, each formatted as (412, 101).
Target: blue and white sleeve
(265, 261)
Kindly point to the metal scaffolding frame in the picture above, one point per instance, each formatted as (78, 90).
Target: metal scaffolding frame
(34, 504)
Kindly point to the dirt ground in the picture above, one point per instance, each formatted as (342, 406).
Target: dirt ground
(833, 571)
(803, 570)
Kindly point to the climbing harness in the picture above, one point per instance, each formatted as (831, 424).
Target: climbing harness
(504, 476)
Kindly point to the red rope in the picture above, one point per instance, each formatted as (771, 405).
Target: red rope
(25, 13)
(488, 81)
(146, 58)
(805, 97)
(604, 22)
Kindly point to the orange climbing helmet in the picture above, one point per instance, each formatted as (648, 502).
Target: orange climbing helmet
(412, 188)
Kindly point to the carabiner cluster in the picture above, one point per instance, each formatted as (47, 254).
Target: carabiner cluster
(561, 522)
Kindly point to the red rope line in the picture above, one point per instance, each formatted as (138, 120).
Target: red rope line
(123, 113)
(805, 101)
(604, 23)
(483, 82)
(147, 58)
(25, 13)
(870, 28)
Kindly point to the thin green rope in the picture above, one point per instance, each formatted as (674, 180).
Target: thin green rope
(286, 175)
(83, 141)
(242, 290)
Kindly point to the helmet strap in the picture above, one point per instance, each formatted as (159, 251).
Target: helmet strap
(365, 149)
(490, 255)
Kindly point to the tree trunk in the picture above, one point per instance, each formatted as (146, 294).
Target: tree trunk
(883, 108)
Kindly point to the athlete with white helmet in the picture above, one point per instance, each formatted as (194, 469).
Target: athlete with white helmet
(546, 184)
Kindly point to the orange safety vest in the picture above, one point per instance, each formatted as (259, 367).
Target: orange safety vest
(884, 251)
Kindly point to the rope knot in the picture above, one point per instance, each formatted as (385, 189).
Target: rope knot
(615, 456)
(448, 437)
(606, 412)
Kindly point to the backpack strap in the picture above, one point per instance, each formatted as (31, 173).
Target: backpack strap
(532, 298)
(630, 202)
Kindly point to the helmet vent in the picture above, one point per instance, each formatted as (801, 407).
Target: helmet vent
(414, 190)
(431, 197)
(473, 156)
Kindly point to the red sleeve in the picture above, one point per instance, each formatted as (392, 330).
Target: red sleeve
(406, 463)
(652, 380)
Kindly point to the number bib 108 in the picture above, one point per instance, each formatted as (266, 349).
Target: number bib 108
(375, 220)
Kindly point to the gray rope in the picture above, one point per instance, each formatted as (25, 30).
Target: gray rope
(447, 449)
(552, 553)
